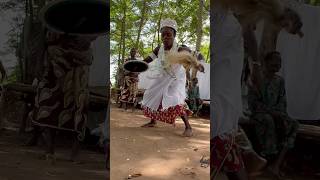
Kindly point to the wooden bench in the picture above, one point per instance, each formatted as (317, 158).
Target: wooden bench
(98, 98)
(305, 131)
(96, 95)
(309, 132)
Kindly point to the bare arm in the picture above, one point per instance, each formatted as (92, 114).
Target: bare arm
(153, 55)
(251, 46)
(250, 42)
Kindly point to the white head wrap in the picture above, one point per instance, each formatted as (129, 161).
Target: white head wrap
(169, 23)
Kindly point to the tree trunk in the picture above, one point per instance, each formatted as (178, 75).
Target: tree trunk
(141, 24)
(119, 55)
(3, 71)
(159, 21)
(123, 32)
(121, 47)
(31, 9)
(199, 25)
(32, 45)
(27, 5)
(154, 38)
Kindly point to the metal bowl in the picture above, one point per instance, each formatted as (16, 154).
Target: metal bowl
(135, 66)
(77, 17)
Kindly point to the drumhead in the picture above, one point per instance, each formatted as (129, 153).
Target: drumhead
(135, 66)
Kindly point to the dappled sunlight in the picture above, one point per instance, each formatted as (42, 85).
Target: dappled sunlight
(154, 167)
(197, 122)
(157, 153)
(202, 129)
(199, 142)
(199, 119)
(154, 137)
(189, 149)
(141, 116)
(200, 125)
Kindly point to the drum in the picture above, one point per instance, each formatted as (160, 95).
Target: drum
(135, 66)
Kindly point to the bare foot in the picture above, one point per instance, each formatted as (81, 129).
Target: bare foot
(187, 132)
(277, 174)
(254, 163)
(150, 124)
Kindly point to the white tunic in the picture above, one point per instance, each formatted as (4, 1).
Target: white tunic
(167, 88)
(227, 62)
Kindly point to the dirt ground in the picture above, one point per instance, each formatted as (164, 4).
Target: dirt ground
(159, 153)
(268, 177)
(19, 162)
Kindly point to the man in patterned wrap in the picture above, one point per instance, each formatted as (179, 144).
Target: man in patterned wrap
(130, 84)
(62, 94)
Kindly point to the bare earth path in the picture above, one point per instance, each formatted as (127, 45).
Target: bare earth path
(157, 153)
(18, 162)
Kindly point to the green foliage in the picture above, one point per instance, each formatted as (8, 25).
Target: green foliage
(13, 11)
(16, 9)
(205, 51)
(11, 5)
(313, 2)
(14, 76)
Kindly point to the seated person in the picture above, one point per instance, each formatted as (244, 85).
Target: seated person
(275, 130)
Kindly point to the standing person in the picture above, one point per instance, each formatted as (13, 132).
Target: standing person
(164, 100)
(130, 84)
(194, 97)
(62, 97)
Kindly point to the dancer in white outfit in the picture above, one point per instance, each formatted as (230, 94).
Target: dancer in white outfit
(164, 100)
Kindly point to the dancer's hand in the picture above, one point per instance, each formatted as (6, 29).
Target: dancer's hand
(292, 22)
(200, 68)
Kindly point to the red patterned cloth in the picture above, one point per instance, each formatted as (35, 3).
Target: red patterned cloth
(169, 115)
(225, 154)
